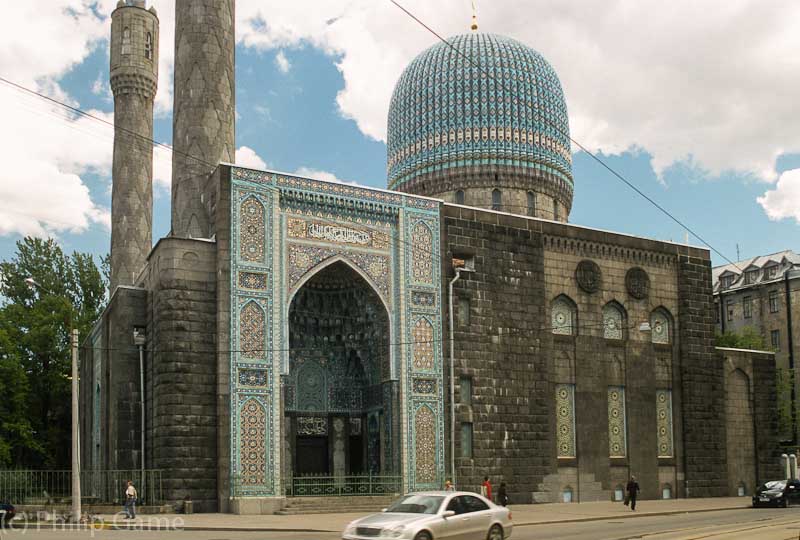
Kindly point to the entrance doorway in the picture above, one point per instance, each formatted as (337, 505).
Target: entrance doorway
(341, 405)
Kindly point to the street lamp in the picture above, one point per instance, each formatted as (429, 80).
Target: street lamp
(76, 461)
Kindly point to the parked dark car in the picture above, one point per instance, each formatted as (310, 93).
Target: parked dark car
(7, 513)
(781, 493)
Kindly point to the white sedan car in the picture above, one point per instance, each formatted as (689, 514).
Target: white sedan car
(435, 515)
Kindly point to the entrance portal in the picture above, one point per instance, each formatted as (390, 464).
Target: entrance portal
(341, 406)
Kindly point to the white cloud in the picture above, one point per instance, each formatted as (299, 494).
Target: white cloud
(783, 201)
(282, 62)
(317, 174)
(247, 157)
(714, 80)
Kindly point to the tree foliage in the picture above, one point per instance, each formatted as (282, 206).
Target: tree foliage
(35, 355)
(747, 338)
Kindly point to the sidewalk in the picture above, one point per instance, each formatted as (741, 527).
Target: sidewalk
(529, 514)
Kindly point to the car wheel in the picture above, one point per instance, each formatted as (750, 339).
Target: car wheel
(495, 533)
(424, 535)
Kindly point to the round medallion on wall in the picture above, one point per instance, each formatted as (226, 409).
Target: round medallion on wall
(638, 283)
(588, 276)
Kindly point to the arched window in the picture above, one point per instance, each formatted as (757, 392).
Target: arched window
(460, 196)
(497, 199)
(660, 327)
(613, 321)
(531, 203)
(126, 40)
(555, 210)
(564, 316)
(148, 46)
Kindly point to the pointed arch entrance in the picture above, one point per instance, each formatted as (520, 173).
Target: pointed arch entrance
(341, 405)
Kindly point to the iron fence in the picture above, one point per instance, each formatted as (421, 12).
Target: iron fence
(331, 486)
(97, 487)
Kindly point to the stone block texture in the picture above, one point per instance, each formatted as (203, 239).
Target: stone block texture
(182, 372)
(203, 114)
(134, 77)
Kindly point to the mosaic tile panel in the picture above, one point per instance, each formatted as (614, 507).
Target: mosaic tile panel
(253, 445)
(423, 299)
(424, 386)
(423, 345)
(422, 252)
(612, 322)
(617, 437)
(425, 445)
(253, 377)
(659, 328)
(563, 317)
(252, 331)
(256, 281)
(252, 234)
(565, 420)
(664, 423)
(303, 258)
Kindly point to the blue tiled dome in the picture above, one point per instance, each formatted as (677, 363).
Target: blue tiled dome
(446, 113)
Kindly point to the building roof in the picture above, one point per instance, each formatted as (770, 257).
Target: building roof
(783, 259)
(478, 101)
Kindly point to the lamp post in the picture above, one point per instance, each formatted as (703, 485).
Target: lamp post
(76, 462)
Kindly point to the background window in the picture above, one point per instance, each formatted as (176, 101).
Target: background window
(747, 306)
(773, 301)
(460, 196)
(466, 439)
(775, 338)
(148, 46)
(531, 203)
(563, 317)
(555, 210)
(729, 304)
(497, 199)
(659, 327)
(751, 276)
(612, 322)
(465, 390)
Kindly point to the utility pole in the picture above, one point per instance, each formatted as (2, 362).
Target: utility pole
(76, 446)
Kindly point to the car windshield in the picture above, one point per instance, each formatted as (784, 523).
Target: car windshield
(417, 504)
(776, 484)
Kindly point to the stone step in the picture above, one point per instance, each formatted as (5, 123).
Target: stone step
(326, 505)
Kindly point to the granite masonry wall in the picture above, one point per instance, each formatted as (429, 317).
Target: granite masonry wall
(182, 374)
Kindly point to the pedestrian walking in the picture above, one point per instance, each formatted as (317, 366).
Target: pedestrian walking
(632, 489)
(448, 485)
(486, 488)
(502, 496)
(130, 501)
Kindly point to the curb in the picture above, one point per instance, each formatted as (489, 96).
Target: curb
(632, 515)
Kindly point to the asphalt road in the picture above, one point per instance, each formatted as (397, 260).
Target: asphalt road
(761, 524)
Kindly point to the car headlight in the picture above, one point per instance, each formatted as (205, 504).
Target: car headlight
(351, 528)
(396, 532)
(779, 495)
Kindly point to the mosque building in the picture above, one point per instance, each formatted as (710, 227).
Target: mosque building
(295, 337)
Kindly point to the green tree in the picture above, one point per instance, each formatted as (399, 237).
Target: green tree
(35, 325)
(747, 338)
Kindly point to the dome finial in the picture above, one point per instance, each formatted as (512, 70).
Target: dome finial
(474, 18)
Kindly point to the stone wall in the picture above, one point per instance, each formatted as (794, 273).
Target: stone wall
(500, 350)
(702, 382)
(182, 374)
(753, 453)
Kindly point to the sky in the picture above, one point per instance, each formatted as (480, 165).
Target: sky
(694, 102)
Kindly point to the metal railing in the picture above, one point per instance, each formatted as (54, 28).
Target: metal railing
(332, 486)
(97, 487)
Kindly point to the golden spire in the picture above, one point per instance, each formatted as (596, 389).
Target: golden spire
(474, 18)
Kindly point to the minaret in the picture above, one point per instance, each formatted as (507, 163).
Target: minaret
(203, 113)
(134, 77)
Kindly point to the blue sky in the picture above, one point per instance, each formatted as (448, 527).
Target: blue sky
(299, 118)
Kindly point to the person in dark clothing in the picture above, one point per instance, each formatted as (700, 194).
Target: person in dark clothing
(633, 490)
(502, 496)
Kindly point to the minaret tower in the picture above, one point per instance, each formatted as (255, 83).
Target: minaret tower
(134, 78)
(203, 113)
